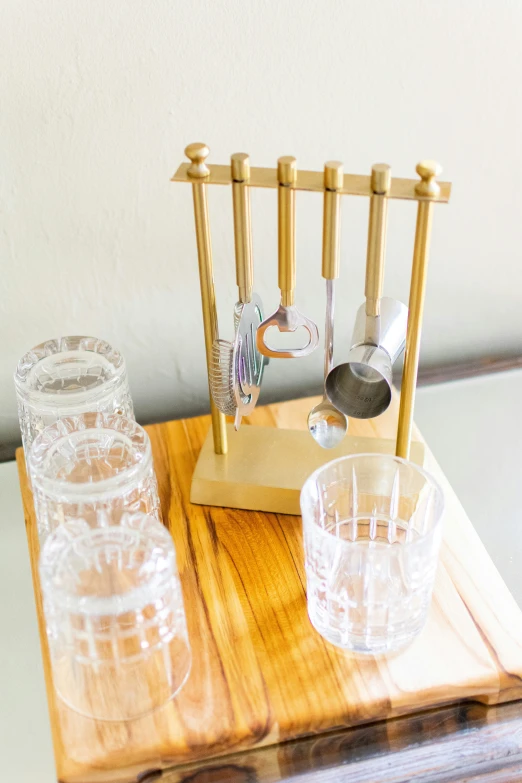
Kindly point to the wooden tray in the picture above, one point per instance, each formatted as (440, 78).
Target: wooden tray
(260, 673)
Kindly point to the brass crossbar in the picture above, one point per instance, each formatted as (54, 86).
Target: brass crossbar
(353, 184)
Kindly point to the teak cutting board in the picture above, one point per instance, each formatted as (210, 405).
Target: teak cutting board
(260, 673)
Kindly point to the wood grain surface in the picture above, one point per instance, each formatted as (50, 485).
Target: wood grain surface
(260, 673)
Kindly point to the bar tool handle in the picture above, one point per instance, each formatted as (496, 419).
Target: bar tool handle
(287, 176)
(333, 182)
(240, 170)
(380, 184)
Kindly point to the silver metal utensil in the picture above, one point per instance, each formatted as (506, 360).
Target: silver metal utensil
(326, 424)
(236, 368)
(221, 375)
(287, 317)
(361, 387)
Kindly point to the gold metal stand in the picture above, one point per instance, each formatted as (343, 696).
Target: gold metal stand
(427, 188)
(265, 468)
(197, 173)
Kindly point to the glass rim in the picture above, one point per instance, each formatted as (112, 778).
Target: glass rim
(85, 490)
(439, 504)
(58, 399)
(58, 547)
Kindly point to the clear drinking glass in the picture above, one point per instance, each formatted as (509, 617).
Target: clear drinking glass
(372, 530)
(91, 464)
(66, 377)
(114, 615)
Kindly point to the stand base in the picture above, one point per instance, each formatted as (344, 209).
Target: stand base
(266, 467)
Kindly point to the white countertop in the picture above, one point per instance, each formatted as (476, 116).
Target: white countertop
(474, 428)
(25, 735)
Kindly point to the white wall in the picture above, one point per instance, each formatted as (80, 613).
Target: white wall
(98, 100)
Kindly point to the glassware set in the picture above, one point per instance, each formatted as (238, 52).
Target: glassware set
(112, 596)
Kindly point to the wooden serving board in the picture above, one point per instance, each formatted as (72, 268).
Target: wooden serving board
(261, 674)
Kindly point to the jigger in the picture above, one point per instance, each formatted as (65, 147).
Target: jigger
(361, 387)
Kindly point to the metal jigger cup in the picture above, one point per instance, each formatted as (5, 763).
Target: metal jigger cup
(361, 387)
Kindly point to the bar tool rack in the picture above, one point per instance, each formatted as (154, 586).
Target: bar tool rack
(261, 675)
(255, 467)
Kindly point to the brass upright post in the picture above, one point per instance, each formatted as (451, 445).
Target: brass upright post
(426, 189)
(198, 171)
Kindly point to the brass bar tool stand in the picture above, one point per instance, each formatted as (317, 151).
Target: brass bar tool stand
(264, 467)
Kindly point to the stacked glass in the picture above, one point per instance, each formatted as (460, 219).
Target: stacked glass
(115, 619)
(68, 377)
(91, 466)
(112, 598)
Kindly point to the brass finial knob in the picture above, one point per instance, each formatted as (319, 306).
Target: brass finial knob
(197, 154)
(333, 175)
(381, 179)
(427, 171)
(240, 166)
(287, 170)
